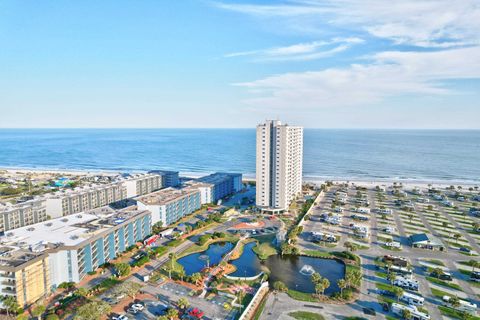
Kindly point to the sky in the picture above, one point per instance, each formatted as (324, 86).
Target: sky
(315, 63)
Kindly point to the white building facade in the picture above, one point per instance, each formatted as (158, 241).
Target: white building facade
(279, 165)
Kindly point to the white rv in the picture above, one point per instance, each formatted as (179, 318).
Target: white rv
(415, 314)
(409, 284)
(412, 299)
(363, 210)
(464, 306)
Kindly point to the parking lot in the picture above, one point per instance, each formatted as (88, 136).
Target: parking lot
(393, 215)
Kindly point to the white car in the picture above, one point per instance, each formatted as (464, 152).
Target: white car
(120, 317)
(393, 244)
(137, 306)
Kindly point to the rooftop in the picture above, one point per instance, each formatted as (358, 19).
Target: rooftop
(217, 177)
(82, 190)
(163, 172)
(165, 196)
(66, 231)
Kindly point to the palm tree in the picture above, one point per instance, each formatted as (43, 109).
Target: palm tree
(391, 277)
(454, 302)
(9, 303)
(444, 225)
(197, 276)
(316, 277)
(457, 236)
(325, 284)
(172, 313)
(406, 314)
(342, 284)
(172, 256)
(476, 226)
(183, 303)
(474, 264)
(398, 292)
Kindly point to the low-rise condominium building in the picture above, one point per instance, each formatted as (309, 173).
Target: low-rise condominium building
(35, 259)
(170, 204)
(22, 214)
(140, 184)
(169, 178)
(66, 202)
(224, 184)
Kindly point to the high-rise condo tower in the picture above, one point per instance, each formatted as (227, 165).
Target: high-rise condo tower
(279, 165)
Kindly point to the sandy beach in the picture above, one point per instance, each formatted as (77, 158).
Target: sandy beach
(407, 183)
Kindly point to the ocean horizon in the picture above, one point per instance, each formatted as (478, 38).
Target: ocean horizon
(337, 154)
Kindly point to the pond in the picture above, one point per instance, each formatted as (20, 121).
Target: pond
(294, 271)
(248, 264)
(195, 262)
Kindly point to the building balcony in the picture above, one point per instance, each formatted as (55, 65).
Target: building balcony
(9, 290)
(8, 282)
(7, 275)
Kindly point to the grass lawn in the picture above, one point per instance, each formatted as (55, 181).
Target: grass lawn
(264, 250)
(301, 296)
(317, 254)
(454, 313)
(305, 315)
(382, 275)
(384, 286)
(444, 283)
(440, 293)
(436, 262)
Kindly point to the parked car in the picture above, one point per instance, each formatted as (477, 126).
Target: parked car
(466, 250)
(138, 306)
(442, 276)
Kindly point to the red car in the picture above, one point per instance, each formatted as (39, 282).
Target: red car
(196, 313)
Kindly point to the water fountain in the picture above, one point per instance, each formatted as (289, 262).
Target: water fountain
(307, 270)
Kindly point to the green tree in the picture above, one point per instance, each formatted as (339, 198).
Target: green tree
(173, 259)
(183, 303)
(318, 288)
(123, 269)
(82, 291)
(196, 277)
(444, 225)
(93, 310)
(406, 314)
(52, 316)
(398, 292)
(22, 316)
(325, 285)
(316, 277)
(474, 264)
(391, 277)
(279, 286)
(457, 236)
(128, 288)
(10, 304)
(172, 313)
(454, 302)
(342, 284)
(38, 311)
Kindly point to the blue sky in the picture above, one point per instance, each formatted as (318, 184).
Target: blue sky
(340, 64)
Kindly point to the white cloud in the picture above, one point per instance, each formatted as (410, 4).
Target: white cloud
(425, 23)
(388, 74)
(300, 51)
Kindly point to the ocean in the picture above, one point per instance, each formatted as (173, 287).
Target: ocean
(418, 155)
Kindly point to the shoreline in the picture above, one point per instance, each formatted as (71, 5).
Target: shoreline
(369, 181)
